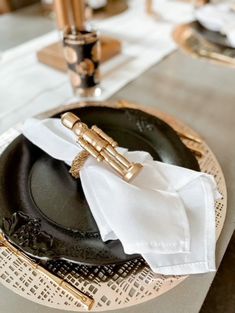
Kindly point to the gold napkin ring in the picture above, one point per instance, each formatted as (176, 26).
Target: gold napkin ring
(98, 144)
(78, 163)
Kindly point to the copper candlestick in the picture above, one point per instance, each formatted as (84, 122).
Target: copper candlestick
(70, 13)
(81, 47)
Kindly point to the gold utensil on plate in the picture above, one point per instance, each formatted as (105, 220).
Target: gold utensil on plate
(196, 151)
(216, 56)
(85, 300)
(188, 136)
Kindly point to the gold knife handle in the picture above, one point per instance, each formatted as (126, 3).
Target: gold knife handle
(78, 294)
(85, 300)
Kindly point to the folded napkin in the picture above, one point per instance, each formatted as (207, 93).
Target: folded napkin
(220, 18)
(166, 214)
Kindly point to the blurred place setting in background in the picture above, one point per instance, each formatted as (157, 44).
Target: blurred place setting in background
(116, 156)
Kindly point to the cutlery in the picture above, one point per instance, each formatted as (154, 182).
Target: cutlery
(84, 299)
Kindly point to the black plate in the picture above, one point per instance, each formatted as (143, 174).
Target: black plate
(212, 36)
(43, 210)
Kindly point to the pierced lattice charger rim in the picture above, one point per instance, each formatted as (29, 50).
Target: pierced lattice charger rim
(118, 292)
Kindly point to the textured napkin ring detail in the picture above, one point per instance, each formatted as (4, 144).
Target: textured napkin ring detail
(78, 163)
(100, 146)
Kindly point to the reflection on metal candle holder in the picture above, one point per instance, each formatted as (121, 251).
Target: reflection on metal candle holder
(82, 54)
(100, 146)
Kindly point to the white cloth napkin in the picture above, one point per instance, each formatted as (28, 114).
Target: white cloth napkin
(166, 214)
(220, 18)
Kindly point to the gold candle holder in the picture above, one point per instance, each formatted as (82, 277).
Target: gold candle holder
(102, 147)
(82, 53)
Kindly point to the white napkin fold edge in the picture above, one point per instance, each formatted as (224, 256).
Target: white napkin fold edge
(183, 269)
(210, 229)
(202, 266)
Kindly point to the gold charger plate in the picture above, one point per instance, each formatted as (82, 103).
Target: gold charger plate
(193, 43)
(132, 283)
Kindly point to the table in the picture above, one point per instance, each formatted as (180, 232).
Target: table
(200, 94)
(23, 25)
